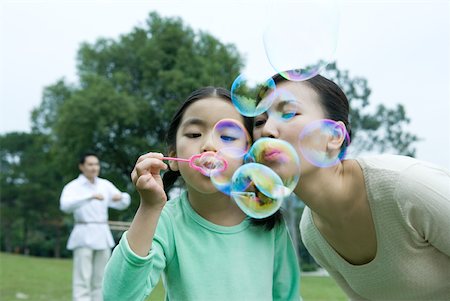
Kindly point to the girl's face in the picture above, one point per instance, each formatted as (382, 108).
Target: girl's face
(195, 136)
(295, 106)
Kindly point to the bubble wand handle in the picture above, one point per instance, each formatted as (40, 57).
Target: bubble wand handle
(176, 159)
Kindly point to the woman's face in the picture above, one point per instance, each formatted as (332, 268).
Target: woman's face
(295, 106)
(196, 134)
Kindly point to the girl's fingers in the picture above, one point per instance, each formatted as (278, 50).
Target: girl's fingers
(149, 155)
(150, 165)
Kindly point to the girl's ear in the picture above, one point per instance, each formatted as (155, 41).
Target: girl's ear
(173, 165)
(337, 138)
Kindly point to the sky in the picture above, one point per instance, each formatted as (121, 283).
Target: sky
(401, 47)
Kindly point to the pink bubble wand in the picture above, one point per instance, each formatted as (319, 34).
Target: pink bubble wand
(203, 158)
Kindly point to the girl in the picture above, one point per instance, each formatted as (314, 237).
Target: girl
(201, 242)
(378, 225)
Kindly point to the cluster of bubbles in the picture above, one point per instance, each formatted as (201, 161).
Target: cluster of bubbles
(299, 40)
(269, 175)
(258, 177)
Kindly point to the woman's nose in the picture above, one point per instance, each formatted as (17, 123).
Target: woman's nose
(270, 129)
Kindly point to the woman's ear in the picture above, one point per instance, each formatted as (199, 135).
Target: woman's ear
(337, 137)
(173, 165)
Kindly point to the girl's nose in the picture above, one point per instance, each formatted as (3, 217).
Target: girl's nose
(209, 146)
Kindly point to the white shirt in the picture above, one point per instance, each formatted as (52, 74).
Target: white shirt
(91, 215)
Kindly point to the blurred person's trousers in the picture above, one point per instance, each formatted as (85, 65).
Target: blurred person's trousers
(88, 268)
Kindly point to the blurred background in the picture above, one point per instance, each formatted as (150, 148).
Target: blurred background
(107, 76)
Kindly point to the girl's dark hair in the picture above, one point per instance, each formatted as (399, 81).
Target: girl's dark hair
(170, 176)
(333, 99)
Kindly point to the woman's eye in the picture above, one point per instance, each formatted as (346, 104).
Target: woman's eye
(260, 122)
(288, 115)
(193, 135)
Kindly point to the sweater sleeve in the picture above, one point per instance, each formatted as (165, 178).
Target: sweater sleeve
(129, 276)
(286, 277)
(423, 195)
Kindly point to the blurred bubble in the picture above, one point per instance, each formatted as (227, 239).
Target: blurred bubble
(252, 100)
(231, 138)
(314, 142)
(208, 163)
(258, 190)
(232, 142)
(278, 155)
(285, 105)
(301, 36)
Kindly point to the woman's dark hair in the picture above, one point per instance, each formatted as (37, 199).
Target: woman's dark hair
(170, 176)
(333, 100)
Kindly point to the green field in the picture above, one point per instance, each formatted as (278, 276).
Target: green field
(32, 278)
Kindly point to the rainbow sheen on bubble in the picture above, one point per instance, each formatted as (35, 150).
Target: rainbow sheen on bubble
(258, 190)
(278, 155)
(285, 105)
(301, 36)
(208, 163)
(232, 141)
(231, 138)
(252, 100)
(314, 142)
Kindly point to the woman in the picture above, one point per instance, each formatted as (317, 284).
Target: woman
(379, 225)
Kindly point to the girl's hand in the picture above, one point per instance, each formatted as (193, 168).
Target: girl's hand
(147, 179)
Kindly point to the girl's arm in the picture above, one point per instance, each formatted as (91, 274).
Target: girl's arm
(129, 276)
(147, 179)
(137, 262)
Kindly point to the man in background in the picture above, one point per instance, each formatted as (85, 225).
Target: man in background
(88, 197)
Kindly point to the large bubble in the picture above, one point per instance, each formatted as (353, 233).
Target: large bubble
(258, 190)
(285, 105)
(252, 99)
(231, 138)
(314, 142)
(280, 156)
(208, 163)
(232, 142)
(301, 36)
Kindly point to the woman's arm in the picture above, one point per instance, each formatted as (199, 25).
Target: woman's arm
(423, 193)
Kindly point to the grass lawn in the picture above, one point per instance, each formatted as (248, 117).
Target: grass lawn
(33, 278)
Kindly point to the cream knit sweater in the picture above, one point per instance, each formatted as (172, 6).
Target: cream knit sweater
(410, 204)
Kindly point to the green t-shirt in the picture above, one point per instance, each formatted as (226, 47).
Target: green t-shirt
(204, 261)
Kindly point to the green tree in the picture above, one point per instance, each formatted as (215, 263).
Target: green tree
(380, 129)
(127, 91)
(29, 196)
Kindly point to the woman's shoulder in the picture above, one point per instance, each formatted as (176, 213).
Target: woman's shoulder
(387, 162)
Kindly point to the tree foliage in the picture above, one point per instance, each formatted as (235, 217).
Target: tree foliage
(127, 91)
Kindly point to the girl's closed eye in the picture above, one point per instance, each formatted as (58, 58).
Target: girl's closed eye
(193, 135)
(228, 138)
